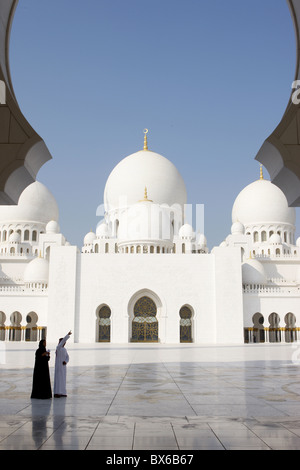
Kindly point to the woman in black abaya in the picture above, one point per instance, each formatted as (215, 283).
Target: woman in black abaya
(41, 386)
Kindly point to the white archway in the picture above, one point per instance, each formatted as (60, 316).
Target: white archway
(153, 297)
(103, 324)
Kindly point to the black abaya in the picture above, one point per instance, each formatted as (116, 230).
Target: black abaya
(41, 386)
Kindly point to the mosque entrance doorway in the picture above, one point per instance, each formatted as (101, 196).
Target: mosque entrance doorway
(144, 323)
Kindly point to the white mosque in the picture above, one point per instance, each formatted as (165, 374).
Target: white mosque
(145, 275)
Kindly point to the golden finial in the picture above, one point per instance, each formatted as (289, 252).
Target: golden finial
(145, 139)
(145, 196)
(261, 173)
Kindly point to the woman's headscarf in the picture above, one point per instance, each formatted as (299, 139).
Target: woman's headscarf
(41, 345)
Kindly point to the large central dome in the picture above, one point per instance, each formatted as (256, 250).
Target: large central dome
(144, 169)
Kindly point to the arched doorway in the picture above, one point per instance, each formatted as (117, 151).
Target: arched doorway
(15, 331)
(185, 314)
(31, 332)
(103, 324)
(144, 323)
(258, 328)
(274, 330)
(290, 328)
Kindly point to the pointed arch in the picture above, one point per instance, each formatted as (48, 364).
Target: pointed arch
(103, 324)
(186, 314)
(258, 328)
(31, 331)
(144, 312)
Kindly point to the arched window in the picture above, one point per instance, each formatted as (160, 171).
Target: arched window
(116, 228)
(264, 236)
(26, 235)
(255, 236)
(172, 224)
(106, 247)
(103, 324)
(185, 325)
(34, 236)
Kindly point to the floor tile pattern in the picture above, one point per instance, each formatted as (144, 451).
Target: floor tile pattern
(138, 398)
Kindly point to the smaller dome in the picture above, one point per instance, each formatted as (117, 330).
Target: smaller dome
(186, 231)
(52, 227)
(253, 272)
(14, 237)
(37, 271)
(237, 228)
(89, 238)
(298, 242)
(275, 239)
(262, 202)
(102, 230)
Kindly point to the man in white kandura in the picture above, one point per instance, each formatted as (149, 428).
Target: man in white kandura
(60, 373)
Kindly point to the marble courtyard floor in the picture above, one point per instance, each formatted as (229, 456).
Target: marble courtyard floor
(155, 397)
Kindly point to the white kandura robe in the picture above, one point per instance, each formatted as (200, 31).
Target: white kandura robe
(60, 371)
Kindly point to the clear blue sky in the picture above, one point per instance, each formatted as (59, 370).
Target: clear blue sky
(209, 79)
